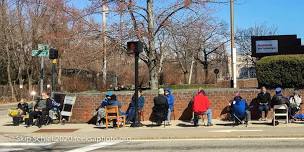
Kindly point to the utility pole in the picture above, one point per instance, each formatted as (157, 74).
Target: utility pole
(105, 11)
(233, 49)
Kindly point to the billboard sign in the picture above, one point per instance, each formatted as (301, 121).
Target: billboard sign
(267, 46)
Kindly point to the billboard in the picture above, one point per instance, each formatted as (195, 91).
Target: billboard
(267, 46)
(275, 45)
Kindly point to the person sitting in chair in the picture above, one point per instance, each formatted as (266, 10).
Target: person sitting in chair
(201, 105)
(40, 110)
(131, 109)
(114, 102)
(279, 99)
(295, 103)
(160, 108)
(239, 110)
(263, 99)
(101, 113)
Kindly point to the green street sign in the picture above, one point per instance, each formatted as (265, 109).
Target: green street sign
(43, 47)
(40, 53)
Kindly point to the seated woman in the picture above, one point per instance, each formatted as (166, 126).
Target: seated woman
(295, 103)
(160, 109)
(239, 109)
(101, 113)
(131, 109)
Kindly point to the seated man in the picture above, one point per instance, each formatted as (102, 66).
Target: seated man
(279, 99)
(201, 105)
(40, 110)
(263, 99)
(114, 102)
(131, 109)
(239, 109)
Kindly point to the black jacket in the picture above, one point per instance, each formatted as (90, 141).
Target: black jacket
(23, 106)
(279, 100)
(160, 109)
(264, 98)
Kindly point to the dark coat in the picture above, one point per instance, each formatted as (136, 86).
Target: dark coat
(160, 109)
(279, 100)
(264, 98)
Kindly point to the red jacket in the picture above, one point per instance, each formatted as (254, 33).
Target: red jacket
(200, 103)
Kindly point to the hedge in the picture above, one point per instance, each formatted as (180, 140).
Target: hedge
(285, 71)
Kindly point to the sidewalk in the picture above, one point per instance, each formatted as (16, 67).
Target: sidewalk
(178, 130)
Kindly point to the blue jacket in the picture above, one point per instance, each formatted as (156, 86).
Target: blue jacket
(104, 102)
(239, 108)
(170, 99)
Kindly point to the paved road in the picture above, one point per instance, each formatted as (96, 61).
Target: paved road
(189, 145)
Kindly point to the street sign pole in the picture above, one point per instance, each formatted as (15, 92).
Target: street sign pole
(136, 122)
(41, 75)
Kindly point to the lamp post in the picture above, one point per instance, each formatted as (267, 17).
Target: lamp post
(233, 49)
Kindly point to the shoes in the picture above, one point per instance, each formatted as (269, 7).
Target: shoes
(209, 124)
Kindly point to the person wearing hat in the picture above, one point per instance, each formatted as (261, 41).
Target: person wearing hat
(170, 99)
(101, 113)
(278, 98)
(160, 109)
(240, 109)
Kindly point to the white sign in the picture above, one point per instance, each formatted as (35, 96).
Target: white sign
(267, 46)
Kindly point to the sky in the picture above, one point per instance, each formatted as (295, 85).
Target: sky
(286, 15)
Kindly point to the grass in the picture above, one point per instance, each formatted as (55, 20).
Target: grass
(187, 86)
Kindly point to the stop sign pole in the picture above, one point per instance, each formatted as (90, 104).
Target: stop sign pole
(135, 47)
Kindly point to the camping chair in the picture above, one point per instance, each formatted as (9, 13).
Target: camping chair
(280, 114)
(238, 120)
(202, 116)
(112, 112)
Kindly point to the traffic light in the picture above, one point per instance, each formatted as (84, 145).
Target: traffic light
(134, 47)
(53, 54)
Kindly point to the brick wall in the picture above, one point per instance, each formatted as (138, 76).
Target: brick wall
(87, 103)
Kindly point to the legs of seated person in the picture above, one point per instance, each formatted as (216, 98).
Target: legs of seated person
(32, 116)
(248, 116)
(263, 108)
(195, 119)
(209, 116)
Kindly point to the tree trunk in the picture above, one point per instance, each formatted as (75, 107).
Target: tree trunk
(191, 71)
(8, 70)
(29, 77)
(152, 65)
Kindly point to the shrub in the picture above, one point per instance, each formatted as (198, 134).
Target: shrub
(286, 71)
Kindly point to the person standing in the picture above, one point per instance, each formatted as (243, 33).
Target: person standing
(170, 99)
(263, 99)
(201, 106)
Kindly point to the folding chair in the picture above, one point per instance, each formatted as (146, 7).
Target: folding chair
(112, 112)
(238, 120)
(280, 114)
(67, 108)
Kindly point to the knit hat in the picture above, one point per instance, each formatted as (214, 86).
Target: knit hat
(161, 91)
(278, 90)
(109, 93)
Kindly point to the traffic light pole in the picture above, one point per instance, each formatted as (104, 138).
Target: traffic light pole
(53, 75)
(136, 122)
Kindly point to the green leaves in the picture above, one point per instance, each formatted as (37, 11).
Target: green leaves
(283, 70)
